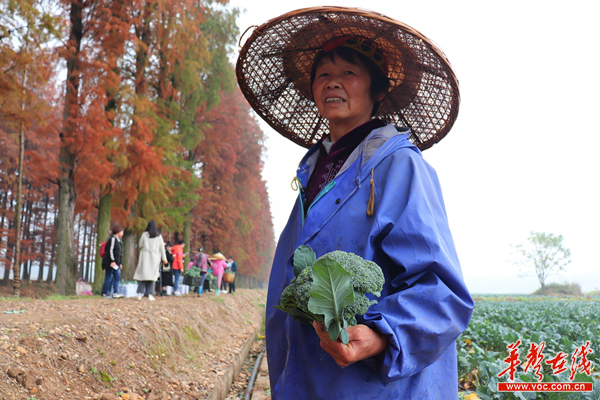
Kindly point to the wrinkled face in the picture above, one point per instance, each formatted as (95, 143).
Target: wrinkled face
(341, 91)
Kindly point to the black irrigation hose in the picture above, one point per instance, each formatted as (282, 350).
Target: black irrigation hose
(254, 373)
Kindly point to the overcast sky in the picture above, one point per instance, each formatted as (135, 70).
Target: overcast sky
(522, 155)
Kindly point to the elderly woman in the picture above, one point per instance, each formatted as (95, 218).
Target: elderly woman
(366, 94)
(219, 264)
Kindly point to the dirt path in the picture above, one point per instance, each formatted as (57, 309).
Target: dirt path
(104, 349)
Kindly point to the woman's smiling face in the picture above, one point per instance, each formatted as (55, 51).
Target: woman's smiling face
(341, 91)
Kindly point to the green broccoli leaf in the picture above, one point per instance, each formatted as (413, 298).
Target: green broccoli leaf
(304, 257)
(330, 293)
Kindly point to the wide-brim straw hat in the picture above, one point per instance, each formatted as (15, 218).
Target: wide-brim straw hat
(217, 256)
(274, 65)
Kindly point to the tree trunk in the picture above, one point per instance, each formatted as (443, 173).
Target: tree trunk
(28, 234)
(18, 222)
(79, 244)
(2, 220)
(27, 272)
(84, 252)
(17, 263)
(10, 247)
(4, 206)
(129, 255)
(89, 266)
(65, 255)
(44, 238)
(187, 230)
(50, 278)
(103, 228)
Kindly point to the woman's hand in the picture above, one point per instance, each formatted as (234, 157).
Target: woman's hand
(364, 343)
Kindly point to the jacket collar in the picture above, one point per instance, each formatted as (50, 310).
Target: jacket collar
(367, 149)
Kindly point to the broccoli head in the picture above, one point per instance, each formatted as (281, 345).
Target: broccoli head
(294, 298)
(304, 282)
(359, 306)
(365, 277)
(288, 296)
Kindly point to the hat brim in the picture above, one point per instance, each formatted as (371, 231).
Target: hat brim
(273, 72)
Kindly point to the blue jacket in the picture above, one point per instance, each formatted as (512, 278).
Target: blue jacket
(424, 305)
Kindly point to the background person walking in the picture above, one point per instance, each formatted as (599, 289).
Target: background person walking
(201, 261)
(218, 269)
(233, 268)
(166, 270)
(178, 256)
(152, 251)
(112, 262)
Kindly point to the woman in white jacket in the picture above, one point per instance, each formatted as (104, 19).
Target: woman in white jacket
(152, 251)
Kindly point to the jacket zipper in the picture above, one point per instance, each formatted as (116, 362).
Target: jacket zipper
(297, 185)
(322, 193)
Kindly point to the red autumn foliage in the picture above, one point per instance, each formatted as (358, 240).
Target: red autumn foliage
(233, 215)
(122, 122)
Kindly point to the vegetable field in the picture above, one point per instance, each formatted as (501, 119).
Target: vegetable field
(564, 326)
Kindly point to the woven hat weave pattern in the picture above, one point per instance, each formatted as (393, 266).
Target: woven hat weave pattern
(273, 72)
(217, 256)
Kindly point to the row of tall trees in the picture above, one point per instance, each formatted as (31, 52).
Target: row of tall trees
(124, 111)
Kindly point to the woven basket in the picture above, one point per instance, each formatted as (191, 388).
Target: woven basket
(273, 72)
(229, 277)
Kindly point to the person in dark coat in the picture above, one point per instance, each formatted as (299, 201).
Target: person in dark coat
(112, 263)
(233, 268)
(166, 270)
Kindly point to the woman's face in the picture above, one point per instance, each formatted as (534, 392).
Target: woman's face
(341, 91)
(120, 234)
